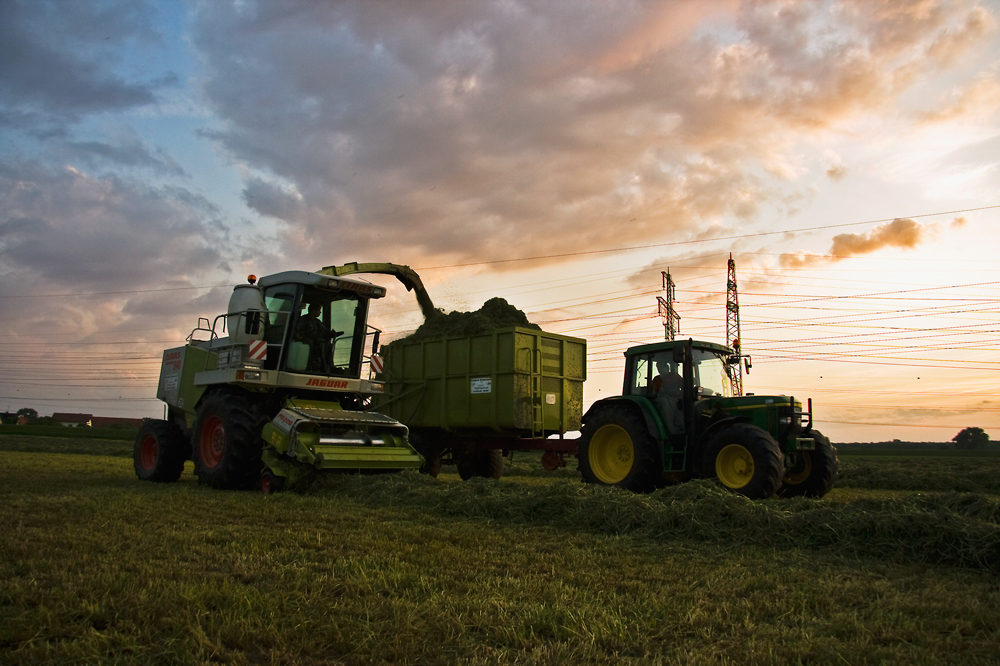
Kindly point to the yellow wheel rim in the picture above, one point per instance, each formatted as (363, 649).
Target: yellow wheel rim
(801, 470)
(611, 454)
(734, 466)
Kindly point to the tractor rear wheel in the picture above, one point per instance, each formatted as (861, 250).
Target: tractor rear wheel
(745, 459)
(160, 451)
(226, 443)
(811, 473)
(617, 449)
(486, 463)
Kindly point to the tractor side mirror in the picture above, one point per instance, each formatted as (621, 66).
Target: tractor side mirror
(375, 342)
(252, 322)
(747, 364)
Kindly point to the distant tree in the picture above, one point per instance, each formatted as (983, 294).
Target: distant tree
(28, 413)
(45, 421)
(971, 438)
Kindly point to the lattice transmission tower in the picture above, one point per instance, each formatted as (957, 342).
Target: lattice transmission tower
(671, 320)
(733, 329)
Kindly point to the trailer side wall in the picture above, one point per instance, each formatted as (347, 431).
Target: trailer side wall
(517, 380)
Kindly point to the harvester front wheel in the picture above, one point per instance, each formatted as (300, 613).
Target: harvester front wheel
(159, 452)
(226, 443)
(811, 473)
(271, 483)
(745, 459)
(617, 449)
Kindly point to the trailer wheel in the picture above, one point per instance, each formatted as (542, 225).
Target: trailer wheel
(745, 459)
(487, 463)
(812, 473)
(616, 449)
(226, 443)
(160, 452)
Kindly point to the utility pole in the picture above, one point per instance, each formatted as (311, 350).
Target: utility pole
(671, 320)
(733, 329)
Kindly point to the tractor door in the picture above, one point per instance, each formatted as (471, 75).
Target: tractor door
(657, 377)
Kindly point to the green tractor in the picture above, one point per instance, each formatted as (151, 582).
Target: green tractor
(280, 397)
(677, 420)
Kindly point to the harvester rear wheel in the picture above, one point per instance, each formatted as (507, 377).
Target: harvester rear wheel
(487, 463)
(160, 451)
(617, 449)
(745, 459)
(812, 473)
(226, 443)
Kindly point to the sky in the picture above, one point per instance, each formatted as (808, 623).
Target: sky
(561, 154)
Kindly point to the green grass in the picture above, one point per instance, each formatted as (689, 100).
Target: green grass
(66, 432)
(946, 471)
(97, 567)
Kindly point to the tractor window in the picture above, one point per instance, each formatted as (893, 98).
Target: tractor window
(710, 374)
(640, 379)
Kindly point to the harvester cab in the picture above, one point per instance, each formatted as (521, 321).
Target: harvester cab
(677, 419)
(279, 397)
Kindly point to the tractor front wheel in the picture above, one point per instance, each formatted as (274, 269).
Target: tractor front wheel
(745, 459)
(226, 443)
(159, 452)
(616, 449)
(811, 473)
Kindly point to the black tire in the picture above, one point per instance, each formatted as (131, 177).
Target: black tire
(432, 462)
(430, 451)
(486, 463)
(745, 459)
(617, 449)
(160, 451)
(226, 443)
(812, 473)
(271, 483)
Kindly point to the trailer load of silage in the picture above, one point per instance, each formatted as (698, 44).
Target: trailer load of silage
(495, 313)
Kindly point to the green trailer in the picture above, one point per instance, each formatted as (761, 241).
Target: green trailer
(468, 399)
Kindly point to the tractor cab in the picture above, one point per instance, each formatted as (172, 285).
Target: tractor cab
(674, 374)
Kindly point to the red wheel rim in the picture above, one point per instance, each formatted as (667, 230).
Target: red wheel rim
(266, 484)
(212, 441)
(148, 452)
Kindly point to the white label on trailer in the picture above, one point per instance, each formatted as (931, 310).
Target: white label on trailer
(481, 385)
(550, 398)
(170, 383)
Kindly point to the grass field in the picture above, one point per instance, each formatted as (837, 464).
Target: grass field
(98, 568)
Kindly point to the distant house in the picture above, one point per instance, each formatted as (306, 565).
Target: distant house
(112, 422)
(73, 420)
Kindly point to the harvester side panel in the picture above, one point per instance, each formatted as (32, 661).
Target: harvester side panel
(177, 373)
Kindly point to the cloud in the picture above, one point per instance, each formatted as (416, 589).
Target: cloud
(59, 61)
(480, 131)
(63, 231)
(901, 232)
